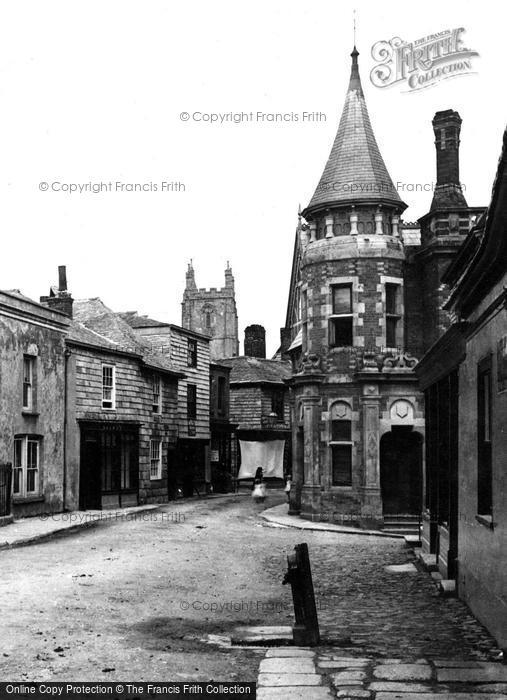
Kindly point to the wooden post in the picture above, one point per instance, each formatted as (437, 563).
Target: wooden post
(306, 630)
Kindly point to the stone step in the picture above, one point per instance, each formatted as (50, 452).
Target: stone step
(429, 561)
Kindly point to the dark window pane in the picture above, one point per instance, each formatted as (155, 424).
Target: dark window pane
(342, 299)
(391, 298)
(191, 401)
(277, 404)
(341, 430)
(192, 353)
(342, 465)
(341, 332)
(221, 394)
(391, 324)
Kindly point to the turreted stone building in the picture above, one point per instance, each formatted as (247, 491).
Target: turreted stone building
(212, 312)
(364, 303)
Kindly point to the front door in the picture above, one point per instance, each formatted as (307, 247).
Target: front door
(90, 483)
(401, 471)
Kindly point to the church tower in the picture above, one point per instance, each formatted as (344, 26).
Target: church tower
(212, 312)
(357, 413)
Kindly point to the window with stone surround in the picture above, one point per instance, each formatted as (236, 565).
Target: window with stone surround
(26, 466)
(341, 319)
(108, 387)
(29, 383)
(393, 307)
(341, 444)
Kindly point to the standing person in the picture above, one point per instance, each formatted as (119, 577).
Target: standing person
(259, 489)
(288, 484)
(258, 477)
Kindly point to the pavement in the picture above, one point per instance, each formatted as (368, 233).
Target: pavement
(277, 515)
(301, 673)
(39, 528)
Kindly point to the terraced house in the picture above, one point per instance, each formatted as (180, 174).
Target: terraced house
(33, 372)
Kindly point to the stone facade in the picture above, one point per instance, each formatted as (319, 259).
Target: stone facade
(212, 312)
(358, 416)
(32, 404)
(464, 376)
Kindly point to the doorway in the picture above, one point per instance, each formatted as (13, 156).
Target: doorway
(401, 471)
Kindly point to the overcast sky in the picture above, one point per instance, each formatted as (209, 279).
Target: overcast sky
(93, 91)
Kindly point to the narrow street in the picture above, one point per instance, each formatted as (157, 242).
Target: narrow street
(136, 598)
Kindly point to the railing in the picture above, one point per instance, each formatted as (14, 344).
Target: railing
(5, 489)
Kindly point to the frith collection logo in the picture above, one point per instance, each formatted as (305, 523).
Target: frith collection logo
(421, 63)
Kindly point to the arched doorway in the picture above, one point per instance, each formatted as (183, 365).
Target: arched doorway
(401, 471)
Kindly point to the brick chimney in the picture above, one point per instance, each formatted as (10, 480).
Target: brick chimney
(448, 192)
(59, 298)
(255, 341)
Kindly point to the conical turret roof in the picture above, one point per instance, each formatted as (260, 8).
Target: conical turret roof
(355, 171)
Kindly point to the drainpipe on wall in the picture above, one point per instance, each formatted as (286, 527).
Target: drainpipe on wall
(67, 355)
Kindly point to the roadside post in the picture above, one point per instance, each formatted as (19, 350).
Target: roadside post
(306, 630)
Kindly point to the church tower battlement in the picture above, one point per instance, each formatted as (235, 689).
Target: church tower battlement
(212, 312)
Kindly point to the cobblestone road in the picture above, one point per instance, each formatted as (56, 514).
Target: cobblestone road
(139, 598)
(386, 613)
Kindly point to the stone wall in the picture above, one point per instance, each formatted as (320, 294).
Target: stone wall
(482, 551)
(28, 329)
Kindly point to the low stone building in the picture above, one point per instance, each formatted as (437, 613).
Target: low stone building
(33, 375)
(261, 408)
(464, 376)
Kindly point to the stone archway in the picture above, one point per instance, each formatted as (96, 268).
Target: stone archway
(401, 471)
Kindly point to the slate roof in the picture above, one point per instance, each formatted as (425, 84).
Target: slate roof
(94, 322)
(81, 334)
(136, 321)
(355, 171)
(255, 370)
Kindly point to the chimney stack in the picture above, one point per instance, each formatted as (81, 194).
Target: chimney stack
(62, 278)
(448, 193)
(59, 298)
(255, 341)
